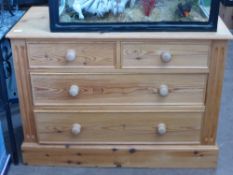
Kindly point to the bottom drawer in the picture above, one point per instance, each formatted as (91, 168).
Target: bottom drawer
(118, 128)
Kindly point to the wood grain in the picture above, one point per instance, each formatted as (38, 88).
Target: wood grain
(127, 89)
(24, 90)
(89, 55)
(121, 108)
(148, 55)
(110, 70)
(122, 156)
(118, 128)
(214, 91)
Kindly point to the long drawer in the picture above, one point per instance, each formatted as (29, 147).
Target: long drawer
(164, 55)
(118, 89)
(78, 55)
(118, 127)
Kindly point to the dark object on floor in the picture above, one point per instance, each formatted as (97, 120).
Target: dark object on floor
(6, 71)
(4, 100)
(184, 10)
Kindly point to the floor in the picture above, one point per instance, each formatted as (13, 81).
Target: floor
(225, 141)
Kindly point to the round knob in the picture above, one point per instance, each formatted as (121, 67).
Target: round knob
(74, 90)
(166, 57)
(163, 90)
(161, 129)
(70, 55)
(76, 129)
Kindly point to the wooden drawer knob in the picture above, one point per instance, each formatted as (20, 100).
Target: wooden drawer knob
(70, 55)
(161, 129)
(166, 57)
(76, 129)
(74, 90)
(163, 90)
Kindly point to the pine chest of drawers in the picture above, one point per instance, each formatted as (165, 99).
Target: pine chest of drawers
(118, 99)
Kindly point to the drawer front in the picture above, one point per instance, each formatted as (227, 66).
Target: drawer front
(118, 89)
(165, 55)
(81, 55)
(118, 127)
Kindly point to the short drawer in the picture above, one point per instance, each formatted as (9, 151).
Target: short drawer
(63, 55)
(118, 127)
(118, 89)
(165, 55)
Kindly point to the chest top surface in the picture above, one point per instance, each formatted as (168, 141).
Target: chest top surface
(35, 25)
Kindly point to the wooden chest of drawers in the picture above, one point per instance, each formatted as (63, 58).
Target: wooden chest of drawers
(118, 99)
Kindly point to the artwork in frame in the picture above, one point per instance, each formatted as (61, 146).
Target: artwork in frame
(133, 15)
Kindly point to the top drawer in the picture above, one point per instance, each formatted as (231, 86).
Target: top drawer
(64, 55)
(165, 55)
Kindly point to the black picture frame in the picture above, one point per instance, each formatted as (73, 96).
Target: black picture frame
(57, 26)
